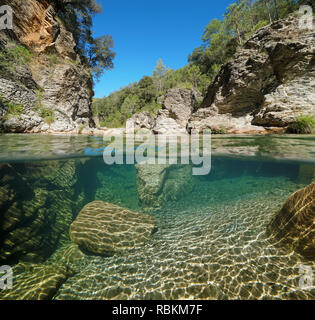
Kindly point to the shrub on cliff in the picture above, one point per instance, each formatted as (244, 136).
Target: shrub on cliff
(13, 109)
(303, 125)
(13, 56)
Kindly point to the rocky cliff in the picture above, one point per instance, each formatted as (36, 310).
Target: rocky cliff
(44, 86)
(269, 83)
(178, 106)
(265, 88)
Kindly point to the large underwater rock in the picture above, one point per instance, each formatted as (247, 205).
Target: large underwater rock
(58, 174)
(105, 229)
(159, 183)
(294, 225)
(36, 281)
(37, 201)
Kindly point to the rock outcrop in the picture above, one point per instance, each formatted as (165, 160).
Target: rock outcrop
(143, 120)
(106, 229)
(177, 107)
(222, 123)
(269, 83)
(180, 104)
(294, 225)
(52, 86)
(166, 124)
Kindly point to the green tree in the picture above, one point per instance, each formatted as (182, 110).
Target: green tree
(221, 38)
(237, 17)
(213, 27)
(101, 55)
(130, 106)
(77, 16)
(194, 75)
(158, 74)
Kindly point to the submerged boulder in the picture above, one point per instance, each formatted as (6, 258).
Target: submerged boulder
(294, 225)
(36, 204)
(58, 174)
(105, 229)
(36, 281)
(159, 183)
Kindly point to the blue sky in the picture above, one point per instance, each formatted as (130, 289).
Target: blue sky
(146, 30)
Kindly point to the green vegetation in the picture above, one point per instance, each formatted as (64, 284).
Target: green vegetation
(221, 130)
(220, 41)
(13, 109)
(53, 60)
(77, 17)
(303, 125)
(222, 38)
(14, 56)
(81, 128)
(45, 113)
(20, 55)
(147, 94)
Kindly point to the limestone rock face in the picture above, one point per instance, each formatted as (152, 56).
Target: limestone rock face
(68, 92)
(158, 183)
(177, 107)
(165, 124)
(106, 229)
(294, 225)
(208, 119)
(143, 120)
(34, 23)
(54, 80)
(271, 79)
(180, 103)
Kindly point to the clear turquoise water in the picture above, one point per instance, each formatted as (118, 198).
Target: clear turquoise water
(211, 241)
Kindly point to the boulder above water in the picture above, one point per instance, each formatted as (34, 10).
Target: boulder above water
(178, 105)
(105, 229)
(294, 224)
(181, 103)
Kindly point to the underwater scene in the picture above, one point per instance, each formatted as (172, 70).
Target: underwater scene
(75, 228)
